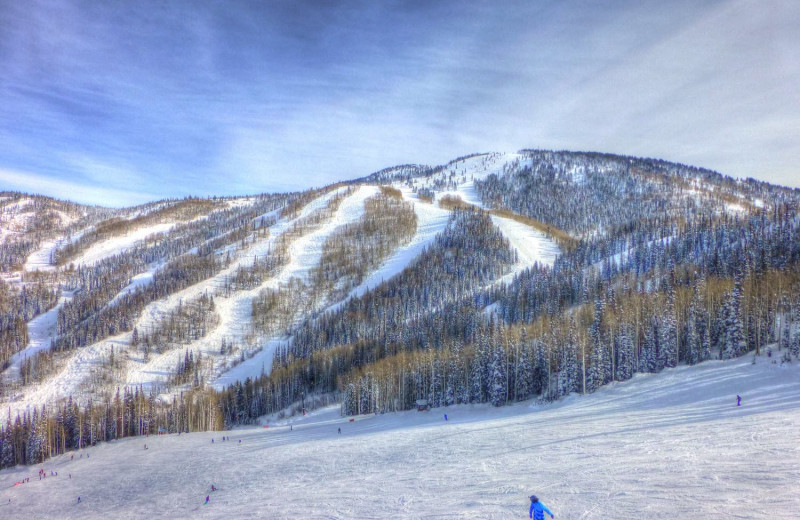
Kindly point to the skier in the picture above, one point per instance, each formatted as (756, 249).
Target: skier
(538, 509)
(445, 417)
(79, 500)
(340, 430)
(207, 499)
(738, 400)
(213, 488)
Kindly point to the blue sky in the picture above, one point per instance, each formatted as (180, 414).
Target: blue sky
(117, 103)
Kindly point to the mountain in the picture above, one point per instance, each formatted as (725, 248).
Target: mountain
(492, 279)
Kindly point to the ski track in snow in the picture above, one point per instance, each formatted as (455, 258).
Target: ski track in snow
(431, 220)
(41, 331)
(85, 361)
(234, 311)
(661, 446)
(305, 252)
(119, 244)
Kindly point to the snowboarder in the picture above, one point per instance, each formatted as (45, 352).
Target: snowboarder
(538, 509)
(738, 400)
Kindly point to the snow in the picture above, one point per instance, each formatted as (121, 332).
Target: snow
(40, 259)
(119, 244)
(41, 331)
(531, 244)
(661, 446)
(431, 220)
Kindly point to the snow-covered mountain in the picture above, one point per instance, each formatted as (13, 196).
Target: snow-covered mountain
(496, 278)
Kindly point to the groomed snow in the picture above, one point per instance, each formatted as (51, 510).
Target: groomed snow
(665, 446)
(120, 244)
(431, 220)
(41, 331)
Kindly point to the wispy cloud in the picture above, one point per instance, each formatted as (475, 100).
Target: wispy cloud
(183, 98)
(73, 191)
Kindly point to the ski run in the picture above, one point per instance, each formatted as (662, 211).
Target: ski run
(660, 446)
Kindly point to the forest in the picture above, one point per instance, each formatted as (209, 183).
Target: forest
(661, 264)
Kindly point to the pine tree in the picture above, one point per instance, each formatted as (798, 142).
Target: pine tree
(625, 354)
(499, 393)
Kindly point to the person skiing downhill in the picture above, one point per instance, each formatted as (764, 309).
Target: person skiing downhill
(738, 400)
(538, 509)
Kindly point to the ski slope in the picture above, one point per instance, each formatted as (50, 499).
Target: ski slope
(661, 446)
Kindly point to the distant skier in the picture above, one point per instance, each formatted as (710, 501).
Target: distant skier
(445, 417)
(538, 509)
(340, 430)
(213, 488)
(738, 400)
(207, 499)
(79, 500)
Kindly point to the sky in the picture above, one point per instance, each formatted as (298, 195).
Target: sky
(119, 103)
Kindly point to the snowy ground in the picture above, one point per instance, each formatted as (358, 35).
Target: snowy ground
(661, 446)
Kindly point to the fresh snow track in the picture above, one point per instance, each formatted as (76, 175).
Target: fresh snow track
(661, 446)
(119, 244)
(41, 331)
(305, 253)
(431, 220)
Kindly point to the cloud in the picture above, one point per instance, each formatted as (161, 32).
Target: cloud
(184, 98)
(68, 190)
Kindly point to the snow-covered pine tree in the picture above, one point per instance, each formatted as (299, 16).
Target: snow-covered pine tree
(498, 395)
(625, 354)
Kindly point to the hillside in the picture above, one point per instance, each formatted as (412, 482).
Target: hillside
(659, 446)
(495, 278)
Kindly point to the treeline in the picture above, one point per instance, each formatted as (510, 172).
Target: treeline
(356, 249)
(182, 325)
(89, 316)
(586, 192)
(19, 306)
(598, 343)
(30, 219)
(33, 436)
(469, 254)
(181, 210)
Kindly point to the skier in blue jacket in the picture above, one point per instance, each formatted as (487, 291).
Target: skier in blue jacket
(538, 509)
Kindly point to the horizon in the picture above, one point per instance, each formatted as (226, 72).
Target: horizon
(123, 104)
